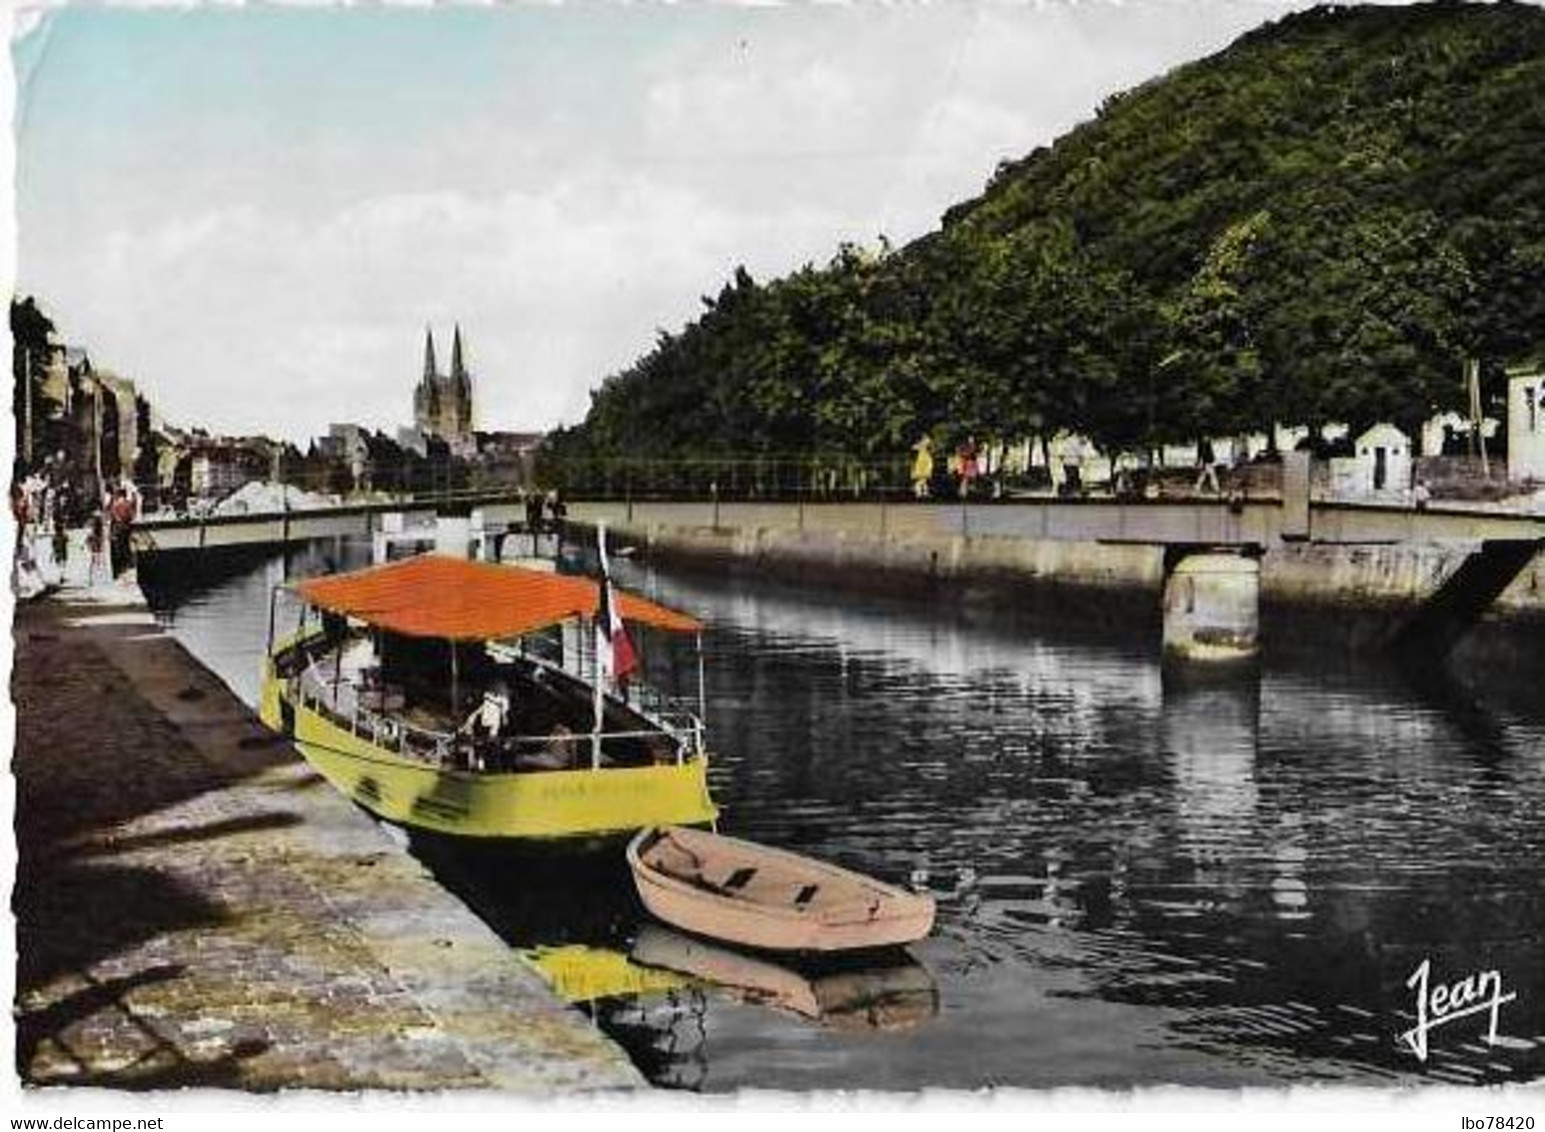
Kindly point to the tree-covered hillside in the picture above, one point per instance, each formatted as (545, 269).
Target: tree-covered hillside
(1319, 223)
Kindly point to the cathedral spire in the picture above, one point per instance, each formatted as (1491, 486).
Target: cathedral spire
(458, 371)
(430, 369)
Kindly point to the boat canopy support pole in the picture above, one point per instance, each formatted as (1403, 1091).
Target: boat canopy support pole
(600, 704)
(273, 606)
(702, 695)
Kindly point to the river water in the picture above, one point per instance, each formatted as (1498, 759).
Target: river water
(1140, 881)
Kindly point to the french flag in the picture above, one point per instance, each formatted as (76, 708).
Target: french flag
(612, 644)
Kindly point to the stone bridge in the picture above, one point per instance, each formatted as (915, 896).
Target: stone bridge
(1209, 551)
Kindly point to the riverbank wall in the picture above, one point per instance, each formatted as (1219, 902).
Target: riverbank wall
(195, 906)
(1358, 594)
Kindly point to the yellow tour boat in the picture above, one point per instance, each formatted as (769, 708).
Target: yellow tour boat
(462, 698)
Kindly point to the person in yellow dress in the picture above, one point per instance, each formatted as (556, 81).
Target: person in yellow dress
(922, 467)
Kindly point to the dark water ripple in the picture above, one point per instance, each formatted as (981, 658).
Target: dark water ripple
(1139, 881)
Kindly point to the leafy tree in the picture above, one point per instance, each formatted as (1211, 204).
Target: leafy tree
(1319, 223)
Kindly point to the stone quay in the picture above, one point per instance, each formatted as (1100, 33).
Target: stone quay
(196, 907)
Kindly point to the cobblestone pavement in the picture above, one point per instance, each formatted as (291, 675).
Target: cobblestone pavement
(195, 906)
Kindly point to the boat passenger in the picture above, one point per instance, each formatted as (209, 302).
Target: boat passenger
(487, 723)
(489, 719)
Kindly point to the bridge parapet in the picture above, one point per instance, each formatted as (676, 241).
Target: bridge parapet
(1250, 523)
(1241, 523)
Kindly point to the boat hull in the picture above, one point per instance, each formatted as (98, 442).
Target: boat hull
(528, 805)
(891, 918)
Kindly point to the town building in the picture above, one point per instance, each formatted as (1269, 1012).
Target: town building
(412, 440)
(1526, 422)
(348, 445)
(218, 466)
(80, 417)
(118, 405)
(1381, 464)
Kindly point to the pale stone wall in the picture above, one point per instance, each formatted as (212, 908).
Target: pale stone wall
(1370, 578)
(1087, 564)
(1527, 593)
(1374, 577)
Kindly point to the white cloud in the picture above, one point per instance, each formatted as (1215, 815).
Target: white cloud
(297, 325)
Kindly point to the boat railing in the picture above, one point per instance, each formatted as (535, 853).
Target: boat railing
(535, 646)
(684, 730)
(676, 715)
(650, 699)
(363, 723)
(678, 710)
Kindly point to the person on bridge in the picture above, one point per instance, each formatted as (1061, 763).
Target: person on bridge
(967, 455)
(1206, 466)
(922, 467)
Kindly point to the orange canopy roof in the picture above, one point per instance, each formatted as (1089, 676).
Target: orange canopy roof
(436, 596)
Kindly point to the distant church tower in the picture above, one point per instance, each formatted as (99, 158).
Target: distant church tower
(442, 404)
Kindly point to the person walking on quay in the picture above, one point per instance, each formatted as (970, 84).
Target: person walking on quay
(1206, 467)
(922, 467)
(61, 544)
(27, 507)
(120, 514)
(97, 563)
(19, 509)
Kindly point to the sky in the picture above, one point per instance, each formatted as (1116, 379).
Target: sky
(255, 212)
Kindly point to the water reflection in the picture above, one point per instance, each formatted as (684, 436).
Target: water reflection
(1210, 731)
(1139, 881)
(585, 975)
(886, 990)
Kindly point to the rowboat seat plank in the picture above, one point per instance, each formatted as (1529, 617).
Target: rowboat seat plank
(764, 883)
(676, 861)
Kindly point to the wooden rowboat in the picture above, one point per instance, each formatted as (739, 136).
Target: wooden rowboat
(751, 895)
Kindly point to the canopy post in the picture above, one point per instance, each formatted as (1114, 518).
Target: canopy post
(702, 693)
(273, 605)
(600, 704)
